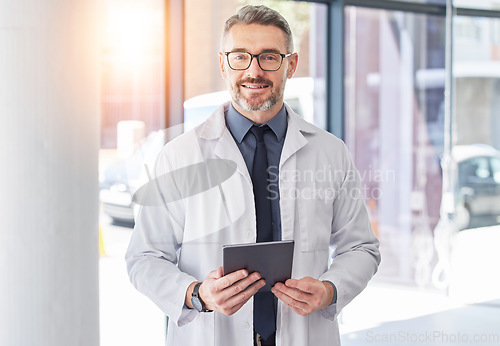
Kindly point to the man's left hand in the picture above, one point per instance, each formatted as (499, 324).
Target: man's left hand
(304, 296)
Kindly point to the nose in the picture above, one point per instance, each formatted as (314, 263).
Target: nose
(254, 69)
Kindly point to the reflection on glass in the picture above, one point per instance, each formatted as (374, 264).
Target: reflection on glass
(394, 126)
(431, 2)
(479, 4)
(495, 167)
(476, 74)
(132, 66)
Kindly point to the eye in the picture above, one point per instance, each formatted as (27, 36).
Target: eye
(269, 57)
(239, 56)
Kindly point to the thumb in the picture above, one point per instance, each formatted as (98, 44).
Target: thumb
(219, 273)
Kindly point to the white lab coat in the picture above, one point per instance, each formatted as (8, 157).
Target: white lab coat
(180, 240)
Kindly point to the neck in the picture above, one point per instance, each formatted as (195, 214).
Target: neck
(259, 117)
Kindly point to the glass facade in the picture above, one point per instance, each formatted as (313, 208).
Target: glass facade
(394, 129)
(395, 117)
(394, 82)
(478, 4)
(132, 66)
(431, 2)
(476, 82)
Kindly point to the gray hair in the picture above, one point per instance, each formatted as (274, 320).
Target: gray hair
(260, 15)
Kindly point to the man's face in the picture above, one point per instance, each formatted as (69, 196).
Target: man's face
(254, 89)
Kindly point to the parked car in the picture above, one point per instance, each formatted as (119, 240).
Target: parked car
(120, 181)
(477, 185)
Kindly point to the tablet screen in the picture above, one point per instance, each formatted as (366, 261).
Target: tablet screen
(273, 260)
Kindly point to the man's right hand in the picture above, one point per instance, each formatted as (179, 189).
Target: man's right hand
(227, 294)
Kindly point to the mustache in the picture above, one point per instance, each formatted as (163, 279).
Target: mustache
(259, 80)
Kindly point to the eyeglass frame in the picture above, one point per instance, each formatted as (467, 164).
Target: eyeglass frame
(283, 56)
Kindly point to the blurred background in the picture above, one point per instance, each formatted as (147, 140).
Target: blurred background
(412, 87)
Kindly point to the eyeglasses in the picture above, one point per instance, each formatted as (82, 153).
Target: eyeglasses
(267, 61)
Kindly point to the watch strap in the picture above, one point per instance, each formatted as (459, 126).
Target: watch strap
(196, 295)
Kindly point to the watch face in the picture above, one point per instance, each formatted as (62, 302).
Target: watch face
(197, 304)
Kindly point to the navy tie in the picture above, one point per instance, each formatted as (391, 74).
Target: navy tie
(260, 180)
(264, 313)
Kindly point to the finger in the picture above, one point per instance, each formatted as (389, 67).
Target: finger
(299, 307)
(240, 286)
(294, 293)
(307, 294)
(233, 309)
(306, 284)
(242, 297)
(214, 274)
(229, 279)
(234, 303)
(219, 273)
(245, 282)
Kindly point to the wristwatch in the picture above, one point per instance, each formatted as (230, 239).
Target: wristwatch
(198, 304)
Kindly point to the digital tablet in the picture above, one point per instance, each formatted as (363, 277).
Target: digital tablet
(273, 260)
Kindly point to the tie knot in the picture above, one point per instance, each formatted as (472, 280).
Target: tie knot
(258, 132)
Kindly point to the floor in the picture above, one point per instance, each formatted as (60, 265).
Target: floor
(469, 313)
(127, 318)
(383, 314)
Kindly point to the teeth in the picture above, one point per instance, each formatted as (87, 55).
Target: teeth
(256, 87)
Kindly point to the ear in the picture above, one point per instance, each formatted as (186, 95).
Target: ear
(294, 60)
(221, 64)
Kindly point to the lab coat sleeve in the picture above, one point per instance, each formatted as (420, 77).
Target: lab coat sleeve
(355, 256)
(152, 254)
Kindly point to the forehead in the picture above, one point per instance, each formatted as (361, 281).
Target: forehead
(255, 38)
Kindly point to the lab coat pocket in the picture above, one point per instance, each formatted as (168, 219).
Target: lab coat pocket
(200, 331)
(315, 219)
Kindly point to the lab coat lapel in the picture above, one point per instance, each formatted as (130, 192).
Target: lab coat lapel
(215, 129)
(227, 149)
(294, 141)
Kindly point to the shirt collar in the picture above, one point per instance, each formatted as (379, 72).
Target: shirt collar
(240, 125)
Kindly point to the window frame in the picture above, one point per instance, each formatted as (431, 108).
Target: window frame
(335, 89)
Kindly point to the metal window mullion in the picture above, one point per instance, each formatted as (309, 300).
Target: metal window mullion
(471, 12)
(336, 70)
(174, 64)
(405, 6)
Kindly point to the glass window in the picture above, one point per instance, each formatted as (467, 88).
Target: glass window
(480, 4)
(432, 2)
(474, 170)
(495, 167)
(305, 92)
(132, 94)
(476, 82)
(476, 72)
(395, 130)
(479, 168)
(132, 66)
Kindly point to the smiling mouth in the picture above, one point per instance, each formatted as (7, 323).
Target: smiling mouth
(255, 86)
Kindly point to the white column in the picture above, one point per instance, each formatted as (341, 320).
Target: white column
(49, 139)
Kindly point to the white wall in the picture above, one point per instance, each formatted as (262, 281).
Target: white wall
(49, 126)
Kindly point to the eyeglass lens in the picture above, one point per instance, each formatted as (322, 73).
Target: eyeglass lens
(242, 60)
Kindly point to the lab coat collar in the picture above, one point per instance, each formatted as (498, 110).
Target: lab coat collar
(215, 125)
(215, 128)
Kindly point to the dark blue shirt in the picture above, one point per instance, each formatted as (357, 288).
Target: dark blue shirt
(239, 127)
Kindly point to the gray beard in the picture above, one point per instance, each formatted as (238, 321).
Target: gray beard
(267, 104)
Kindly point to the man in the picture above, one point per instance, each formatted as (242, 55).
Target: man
(307, 190)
